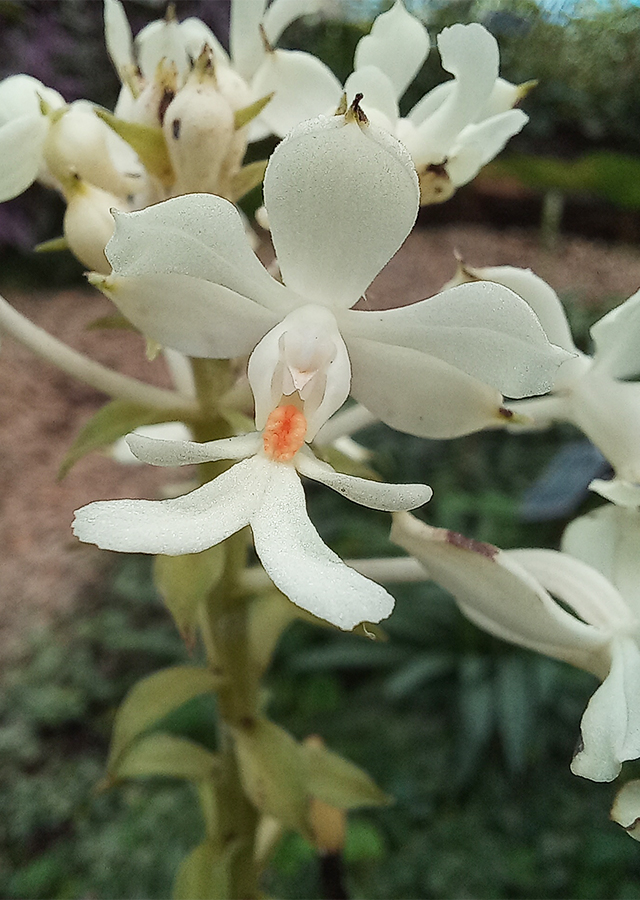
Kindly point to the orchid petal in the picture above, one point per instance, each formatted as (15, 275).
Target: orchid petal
(196, 35)
(504, 96)
(481, 328)
(281, 13)
(160, 40)
(374, 494)
(417, 393)
(21, 144)
(477, 144)
(245, 40)
(617, 338)
(182, 525)
(579, 585)
(431, 101)
(302, 85)
(341, 198)
(301, 565)
(618, 491)
(118, 37)
(378, 97)
(498, 594)
(608, 539)
(398, 45)
(610, 726)
(160, 452)
(188, 314)
(207, 239)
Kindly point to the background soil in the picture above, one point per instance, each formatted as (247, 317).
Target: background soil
(43, 568)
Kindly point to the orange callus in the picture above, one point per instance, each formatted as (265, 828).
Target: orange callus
(284, 433)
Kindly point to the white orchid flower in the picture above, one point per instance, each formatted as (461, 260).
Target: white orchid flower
(304, 365)
(451, 133)
(341, 196)
(599, 394)
(509, 594)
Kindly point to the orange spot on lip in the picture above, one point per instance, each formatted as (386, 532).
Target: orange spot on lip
(284, 433)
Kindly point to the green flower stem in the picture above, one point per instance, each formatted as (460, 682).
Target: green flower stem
(227, 623)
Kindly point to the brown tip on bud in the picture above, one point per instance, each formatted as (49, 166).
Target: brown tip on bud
(342, 106)
(435, 184)
(355, 113)
(465, 543)
(205, 66)
(265, 40)
(170, 14)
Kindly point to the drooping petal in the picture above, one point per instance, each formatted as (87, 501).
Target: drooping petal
(610, 726)
(198, 235)
(378, 96)
(374, 494)
(579, 585)
(21, 143)
(481, 328)
(500, 596)
(301, 565)
(303, 87)
(342, 196)
(609, 540)
(477, 145)
(417, 393)
(398, 45)
(160, 452)
(617, 339)
(189, 314)
(118, 37)
(182, 525)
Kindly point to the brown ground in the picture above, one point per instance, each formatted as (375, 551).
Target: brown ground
(43, 569)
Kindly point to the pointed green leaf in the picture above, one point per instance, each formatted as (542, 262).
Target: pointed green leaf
(247, 178)
(152, 699)
(243, 116)
(148, 142)
(273, 773)
(203, 874)
(185, 582)
(113, 421)
(168, 755)
(338, 782)
(52, 246)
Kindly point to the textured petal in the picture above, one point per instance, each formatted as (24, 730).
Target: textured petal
(182, 525)
(579, 585)
(189, 314)
(301, 565)
(470, 53)
(21, 143)
(609, 540)
(499, 595)
(379, 99)
(610, 726)
(117, 34)
(374, 494)
(159, 452)
(199, 235)
(477, 145)
(481, 328)
(617, 339)
(397, 45)
(341, 199)
(417, 393)
(163, 431)
(302, 85)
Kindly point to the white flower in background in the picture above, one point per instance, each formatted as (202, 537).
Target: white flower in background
(451, 133)
(303, 364)
(509, 594)
(599, 394)
(341, 196)
(43, 138)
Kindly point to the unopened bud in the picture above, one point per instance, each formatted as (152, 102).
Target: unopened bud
(151, 105)
(435, 185)
(88, 222)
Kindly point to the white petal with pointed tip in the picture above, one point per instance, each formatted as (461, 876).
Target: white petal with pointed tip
(160, 452)
(182, 525)
(117, 33)
(207, 239)
(302, 85)
(398, 45)
(610, 726)
(191, 315)
(341, 200)
(160, 40)
(247, 49)
(301, 565)
(417, 393)
(21, 143)
(617, 339)
(281, 13)
(621, 492)
(477, 144)
(374, 494)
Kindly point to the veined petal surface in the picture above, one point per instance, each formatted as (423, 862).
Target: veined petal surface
(189, 314)
(302, 566)
(199, 235)
(159, 452)
(398, 45)
(182, 525)
(341, 197)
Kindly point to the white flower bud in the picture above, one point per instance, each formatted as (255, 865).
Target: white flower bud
(88, 222)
